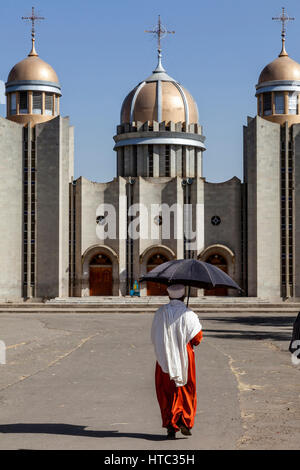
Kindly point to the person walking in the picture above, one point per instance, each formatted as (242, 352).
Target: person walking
(175, 331)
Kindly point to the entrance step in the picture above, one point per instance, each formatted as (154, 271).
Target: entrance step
(156, 300)
(111, 305)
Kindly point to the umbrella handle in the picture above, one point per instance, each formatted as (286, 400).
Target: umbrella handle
(189, 292)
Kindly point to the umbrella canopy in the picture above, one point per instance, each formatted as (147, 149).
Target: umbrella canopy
(190, 272)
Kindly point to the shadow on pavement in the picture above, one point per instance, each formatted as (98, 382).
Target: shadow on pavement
(72, 430)
(253, 321)
(247, 333)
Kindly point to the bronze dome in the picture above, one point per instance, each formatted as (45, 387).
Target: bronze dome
(32, 68)
(145, 106)
(282, 68)
(159, 98)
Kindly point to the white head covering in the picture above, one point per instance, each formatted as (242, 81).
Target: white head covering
(173, 327)
(176, 291)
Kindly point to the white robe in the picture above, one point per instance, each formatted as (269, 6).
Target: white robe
(174, 325)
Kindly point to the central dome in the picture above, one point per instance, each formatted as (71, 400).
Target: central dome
(159, 98)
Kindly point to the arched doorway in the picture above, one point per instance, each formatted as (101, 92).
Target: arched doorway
(100, 268)
(154, 288)
(221, 263)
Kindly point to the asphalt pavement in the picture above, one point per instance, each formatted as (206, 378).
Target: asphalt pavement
(86, 381)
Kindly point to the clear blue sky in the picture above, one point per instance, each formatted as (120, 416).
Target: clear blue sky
(100, 52)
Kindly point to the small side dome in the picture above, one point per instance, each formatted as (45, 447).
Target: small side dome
(33, 91)
(278, 90)
(159, 98)
(32, 68)
(282, 68)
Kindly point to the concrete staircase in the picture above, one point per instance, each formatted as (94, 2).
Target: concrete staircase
(143, 305)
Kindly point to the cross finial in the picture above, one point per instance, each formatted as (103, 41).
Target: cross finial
(160, 31)
(283, 18)
(33, 18)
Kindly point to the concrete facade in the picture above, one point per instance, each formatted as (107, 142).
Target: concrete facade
(159, 203)
(11, 210)
(295, 137)
(224, 201)
(262, 179)
(54, 146)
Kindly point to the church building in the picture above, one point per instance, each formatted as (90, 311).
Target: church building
(62, 237)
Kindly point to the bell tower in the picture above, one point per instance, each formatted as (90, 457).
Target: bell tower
(32, 89)
(272, 177)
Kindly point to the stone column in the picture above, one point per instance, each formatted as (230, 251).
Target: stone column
(262, 152)
(122, 235)
(11, 210)
(156, 157)
(173, 171)
(296, 220)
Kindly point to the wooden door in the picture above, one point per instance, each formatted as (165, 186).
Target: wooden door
(100, 280)
(154, 288)
(100, 275)
(220, 262)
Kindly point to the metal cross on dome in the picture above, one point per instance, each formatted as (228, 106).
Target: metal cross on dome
(33, 18)
(160, 31)
(283, 18)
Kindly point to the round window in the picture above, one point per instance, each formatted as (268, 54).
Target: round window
(216, 220)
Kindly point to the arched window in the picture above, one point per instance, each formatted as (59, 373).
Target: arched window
(156, 260)
(23, 102)
(167, 160)
(100, 260)
(37, 99)
(13, 103)
(267, 104)
(279, 103)
(150, 160)
(260, 105)
(293, 103)
(48, 104)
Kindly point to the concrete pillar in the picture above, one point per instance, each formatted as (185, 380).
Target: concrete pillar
(141, 160)
(179, 157)
(122, 231)
(191, 173)
(156, 151)
(52, 214)
(11, 209)
(173, 171)
(198, 163)
(262, 171)
(296, 202)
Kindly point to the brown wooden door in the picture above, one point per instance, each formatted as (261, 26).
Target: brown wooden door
(154, 288)
(100, 280)
(221, 263)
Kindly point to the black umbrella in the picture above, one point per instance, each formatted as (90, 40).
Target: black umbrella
(192, 273)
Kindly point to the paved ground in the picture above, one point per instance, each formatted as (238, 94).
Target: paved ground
(86, 381)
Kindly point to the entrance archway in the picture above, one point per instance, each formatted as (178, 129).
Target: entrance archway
(221, 263)
(154, 288)
(100, 275)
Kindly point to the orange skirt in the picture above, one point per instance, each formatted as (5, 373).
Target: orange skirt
(178, 402)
